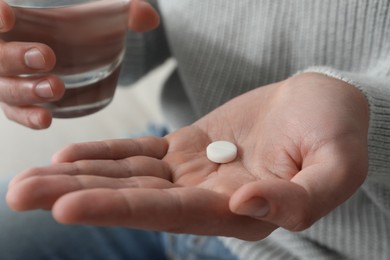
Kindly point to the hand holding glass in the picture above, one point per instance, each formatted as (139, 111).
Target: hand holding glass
(87, 37)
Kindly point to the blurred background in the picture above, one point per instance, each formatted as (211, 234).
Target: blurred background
(132, 111)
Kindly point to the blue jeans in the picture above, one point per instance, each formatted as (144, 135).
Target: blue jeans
(34, 235)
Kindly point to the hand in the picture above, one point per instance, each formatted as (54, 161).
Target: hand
(302, 152)
(18, 95)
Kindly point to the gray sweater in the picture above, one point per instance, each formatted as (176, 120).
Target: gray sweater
(226, 47)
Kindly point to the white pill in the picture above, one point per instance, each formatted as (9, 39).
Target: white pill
(221, 152)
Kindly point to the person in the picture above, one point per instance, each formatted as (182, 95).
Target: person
(301, 87)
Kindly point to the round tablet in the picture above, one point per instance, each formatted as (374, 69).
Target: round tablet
(221, 152)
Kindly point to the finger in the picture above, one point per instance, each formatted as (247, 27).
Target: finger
(129, 167)
(151, 146)
(330, 174)
(143, 17)
(179, 210)
(278, 201)
(34, 117)
(7, 17)
(42, 192)
(297, 204)
(26, 91)
(25, 58)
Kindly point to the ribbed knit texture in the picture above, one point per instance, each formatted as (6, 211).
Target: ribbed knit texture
(144, 52)
(226, 47)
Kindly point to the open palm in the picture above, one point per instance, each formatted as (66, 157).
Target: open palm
(302, 150)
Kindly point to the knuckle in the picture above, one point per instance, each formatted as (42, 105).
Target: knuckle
(3, 60)
(12, 94)
(11, 60)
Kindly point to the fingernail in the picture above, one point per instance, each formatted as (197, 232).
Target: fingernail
(255, 208)
(36, 121)
(44, 90)
(34, 59)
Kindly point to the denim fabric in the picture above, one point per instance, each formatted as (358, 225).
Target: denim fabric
(192, 247)
(35, 235)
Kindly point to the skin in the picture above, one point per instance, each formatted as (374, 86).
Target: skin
(302, 151)
(18, 96)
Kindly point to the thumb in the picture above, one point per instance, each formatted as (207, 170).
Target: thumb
(297, 203)
(277, 201)
(6, 16)
(143, 17)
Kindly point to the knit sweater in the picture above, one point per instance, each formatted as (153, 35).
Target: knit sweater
(224, 48)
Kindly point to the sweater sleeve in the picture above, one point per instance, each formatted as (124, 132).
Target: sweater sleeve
(377, 91)
(143, 53)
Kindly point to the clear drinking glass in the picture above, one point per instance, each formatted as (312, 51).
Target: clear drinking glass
(88, 38)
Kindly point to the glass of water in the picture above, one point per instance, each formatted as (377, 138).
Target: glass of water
(88, 38)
